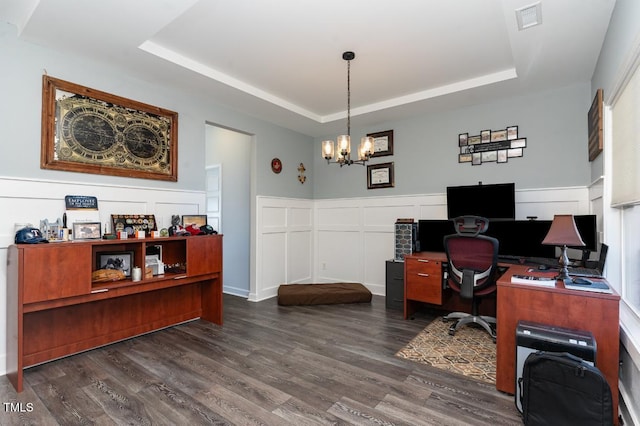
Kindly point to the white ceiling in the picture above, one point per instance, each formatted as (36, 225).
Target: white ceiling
(281, 60)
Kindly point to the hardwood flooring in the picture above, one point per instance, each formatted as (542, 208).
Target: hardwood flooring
(268, 365)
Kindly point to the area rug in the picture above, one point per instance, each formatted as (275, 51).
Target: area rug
(470, 352)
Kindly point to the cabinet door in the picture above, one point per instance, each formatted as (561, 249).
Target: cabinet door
(56, 271)
(424, 280)
(204, 255)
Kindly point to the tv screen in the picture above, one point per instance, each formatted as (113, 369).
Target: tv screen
(493, 201)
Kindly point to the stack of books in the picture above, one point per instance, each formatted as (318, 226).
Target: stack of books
(533, 280)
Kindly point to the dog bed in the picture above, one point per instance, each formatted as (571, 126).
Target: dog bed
(323, 294)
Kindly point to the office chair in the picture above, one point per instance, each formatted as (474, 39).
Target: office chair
(472, 261)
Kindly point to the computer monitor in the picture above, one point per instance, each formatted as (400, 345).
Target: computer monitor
(493, 201)
(588, 230)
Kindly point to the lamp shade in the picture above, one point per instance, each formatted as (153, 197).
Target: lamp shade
(563, 232)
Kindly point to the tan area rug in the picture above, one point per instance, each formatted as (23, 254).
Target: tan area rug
(470, 351)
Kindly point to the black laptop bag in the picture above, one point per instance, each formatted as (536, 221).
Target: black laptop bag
(562, 389)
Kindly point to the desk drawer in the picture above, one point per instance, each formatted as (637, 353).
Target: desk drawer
(424, 280)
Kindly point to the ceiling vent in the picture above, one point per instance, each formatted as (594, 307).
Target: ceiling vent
(529, 16)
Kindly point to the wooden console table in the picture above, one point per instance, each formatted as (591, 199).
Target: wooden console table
(55, 310)
(560, 307)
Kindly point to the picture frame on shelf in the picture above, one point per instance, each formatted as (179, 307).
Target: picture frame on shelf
(85, 130)
(119, 260)
(380, 175)
(87, 230)
(382, 143)
(512, 132)
(485, 136)
(197, 220)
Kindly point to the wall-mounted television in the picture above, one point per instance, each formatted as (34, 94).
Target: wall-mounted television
(493, 201)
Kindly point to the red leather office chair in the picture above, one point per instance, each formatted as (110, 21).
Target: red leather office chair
(472, 261)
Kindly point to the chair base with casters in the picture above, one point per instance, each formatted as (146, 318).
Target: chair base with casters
(486, 322)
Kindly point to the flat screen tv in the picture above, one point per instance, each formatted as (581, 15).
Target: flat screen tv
(493, 201)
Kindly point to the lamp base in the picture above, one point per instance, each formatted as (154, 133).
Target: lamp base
(564, 263)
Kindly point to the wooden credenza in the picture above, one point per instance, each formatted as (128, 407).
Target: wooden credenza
(54, 309)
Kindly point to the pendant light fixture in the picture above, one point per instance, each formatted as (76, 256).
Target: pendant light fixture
(342, 150)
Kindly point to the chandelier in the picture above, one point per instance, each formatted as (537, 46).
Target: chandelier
(342, 151)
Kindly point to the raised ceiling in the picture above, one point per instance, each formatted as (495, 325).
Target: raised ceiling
(281, 60)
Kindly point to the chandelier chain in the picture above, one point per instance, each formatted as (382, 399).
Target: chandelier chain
(349, 98)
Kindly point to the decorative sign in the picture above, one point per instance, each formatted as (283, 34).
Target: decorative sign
(77, 202)
(490, 146)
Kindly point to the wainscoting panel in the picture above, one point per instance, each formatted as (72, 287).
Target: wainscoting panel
(284, 245)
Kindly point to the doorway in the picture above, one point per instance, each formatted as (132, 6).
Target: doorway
(228, 189)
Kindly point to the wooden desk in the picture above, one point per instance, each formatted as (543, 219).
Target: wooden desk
(556, 306)
(423, 284)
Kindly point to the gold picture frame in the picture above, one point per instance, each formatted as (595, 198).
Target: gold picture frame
(88, 131)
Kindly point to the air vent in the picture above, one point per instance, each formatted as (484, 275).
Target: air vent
(529, 16)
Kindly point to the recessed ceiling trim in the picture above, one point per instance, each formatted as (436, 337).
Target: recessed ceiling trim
(459, 86)
(180, 60)
(176, 58)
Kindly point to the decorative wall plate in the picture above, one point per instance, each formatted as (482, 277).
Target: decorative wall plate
(276, 165)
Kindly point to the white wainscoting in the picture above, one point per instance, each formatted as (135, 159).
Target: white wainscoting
(29, 201)
(349, 240)
(283, 245)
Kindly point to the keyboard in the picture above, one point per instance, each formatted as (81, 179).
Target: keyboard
(584, 272)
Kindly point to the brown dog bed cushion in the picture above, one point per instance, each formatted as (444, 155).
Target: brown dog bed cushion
(323, 294)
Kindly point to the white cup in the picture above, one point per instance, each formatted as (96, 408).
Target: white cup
(136, 274)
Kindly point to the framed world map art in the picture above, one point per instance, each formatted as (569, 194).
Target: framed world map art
(88, 131)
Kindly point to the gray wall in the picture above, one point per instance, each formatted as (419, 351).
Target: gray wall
(426, 148)
(23, 65)
(232, 150)
(624, 28)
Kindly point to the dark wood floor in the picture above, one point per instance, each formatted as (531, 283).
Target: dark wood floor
(268, 365)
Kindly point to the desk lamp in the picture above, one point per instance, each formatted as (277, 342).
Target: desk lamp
(563, 232)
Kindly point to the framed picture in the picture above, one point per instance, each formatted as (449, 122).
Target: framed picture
(86, 231)
(462, 139)
(499, 135)
(476, 159)
(519, 143)
(198, 220)
(514, 152)
(464, 158)
(594, 125)
(120, 260)
(130, 223)
(512, 132)
(382, 143)
(88, 131)
(380, 176)
(489, 156)
(502, 156)
(485, 136)
(474, 140)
